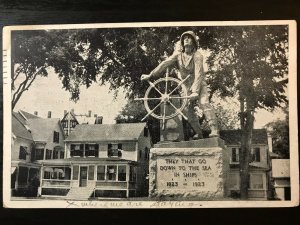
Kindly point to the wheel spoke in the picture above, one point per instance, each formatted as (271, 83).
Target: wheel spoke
(147, 99)
(166, 89)
(150, 112)
(164, 115)
(179, 97)
(181, 82)
(177, 110)
(152, 85)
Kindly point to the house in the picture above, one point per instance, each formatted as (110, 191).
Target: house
(70, 120)
(23, 170)
(34, 139)
(281, 178)
(258, 168)
(101, 160)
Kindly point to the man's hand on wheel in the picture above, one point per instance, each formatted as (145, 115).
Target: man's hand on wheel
(193, 96)
(145, 77)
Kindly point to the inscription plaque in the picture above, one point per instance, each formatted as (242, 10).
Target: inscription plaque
(187, 173)
(189, 170)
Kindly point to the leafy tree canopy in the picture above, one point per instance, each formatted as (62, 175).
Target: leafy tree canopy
(279, 130)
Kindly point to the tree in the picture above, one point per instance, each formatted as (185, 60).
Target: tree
(249, 62)
(29, 61)
(33, 52)
(279, 130)
(134, 111)
(81, 57)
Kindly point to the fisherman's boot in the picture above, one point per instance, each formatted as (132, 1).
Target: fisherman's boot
(212, 122)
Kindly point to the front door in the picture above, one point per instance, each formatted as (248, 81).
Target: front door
(83, 176)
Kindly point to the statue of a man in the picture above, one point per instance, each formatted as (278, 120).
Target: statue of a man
(190, 62)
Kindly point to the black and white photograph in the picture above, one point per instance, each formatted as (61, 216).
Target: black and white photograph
(150, 115)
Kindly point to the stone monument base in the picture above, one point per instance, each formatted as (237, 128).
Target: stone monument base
(195, 170)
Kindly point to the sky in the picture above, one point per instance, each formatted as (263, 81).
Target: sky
(46, 94)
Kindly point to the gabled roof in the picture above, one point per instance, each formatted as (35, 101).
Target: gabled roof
(233, 137)
(106, 132)
(29, 115)
(69, 115)
(19, 127)
(42, 128)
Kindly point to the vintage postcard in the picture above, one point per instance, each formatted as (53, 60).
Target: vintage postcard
(150, 115)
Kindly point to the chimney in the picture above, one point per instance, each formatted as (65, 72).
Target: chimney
(90, 113)
(99, 120)
(72, 111)
(35, 113)
(65, 112)
(49, 114)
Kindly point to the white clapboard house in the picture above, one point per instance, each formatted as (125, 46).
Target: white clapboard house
(100, 161)
(259, 166)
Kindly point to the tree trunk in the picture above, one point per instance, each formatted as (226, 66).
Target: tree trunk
(246, 142)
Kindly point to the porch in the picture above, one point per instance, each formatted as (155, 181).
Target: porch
(24, 179)
(95, 179)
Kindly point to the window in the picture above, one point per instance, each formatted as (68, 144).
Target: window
(48, 154)
(132, 174)
(73, 124)
(91, 172)
(54, 175)
(91, 150)
(75, 172)
(120, 146)
(121, 173)
(256, 155)
(55, 154)
(77, 150)
(39, 154)
(56, 137)
(111, 172)
(62, 154)
(47, 175)
(23, 152)
(58, 153)
(100, 172)
(235, 155)
(256, 181)
(114, 150)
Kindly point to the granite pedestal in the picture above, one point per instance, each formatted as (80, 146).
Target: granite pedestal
(194, 170)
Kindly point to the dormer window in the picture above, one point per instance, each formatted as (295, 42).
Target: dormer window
(255, 152)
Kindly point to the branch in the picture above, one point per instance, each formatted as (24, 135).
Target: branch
(22, 87)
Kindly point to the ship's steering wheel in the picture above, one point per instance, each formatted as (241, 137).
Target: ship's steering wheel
(162, 93)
